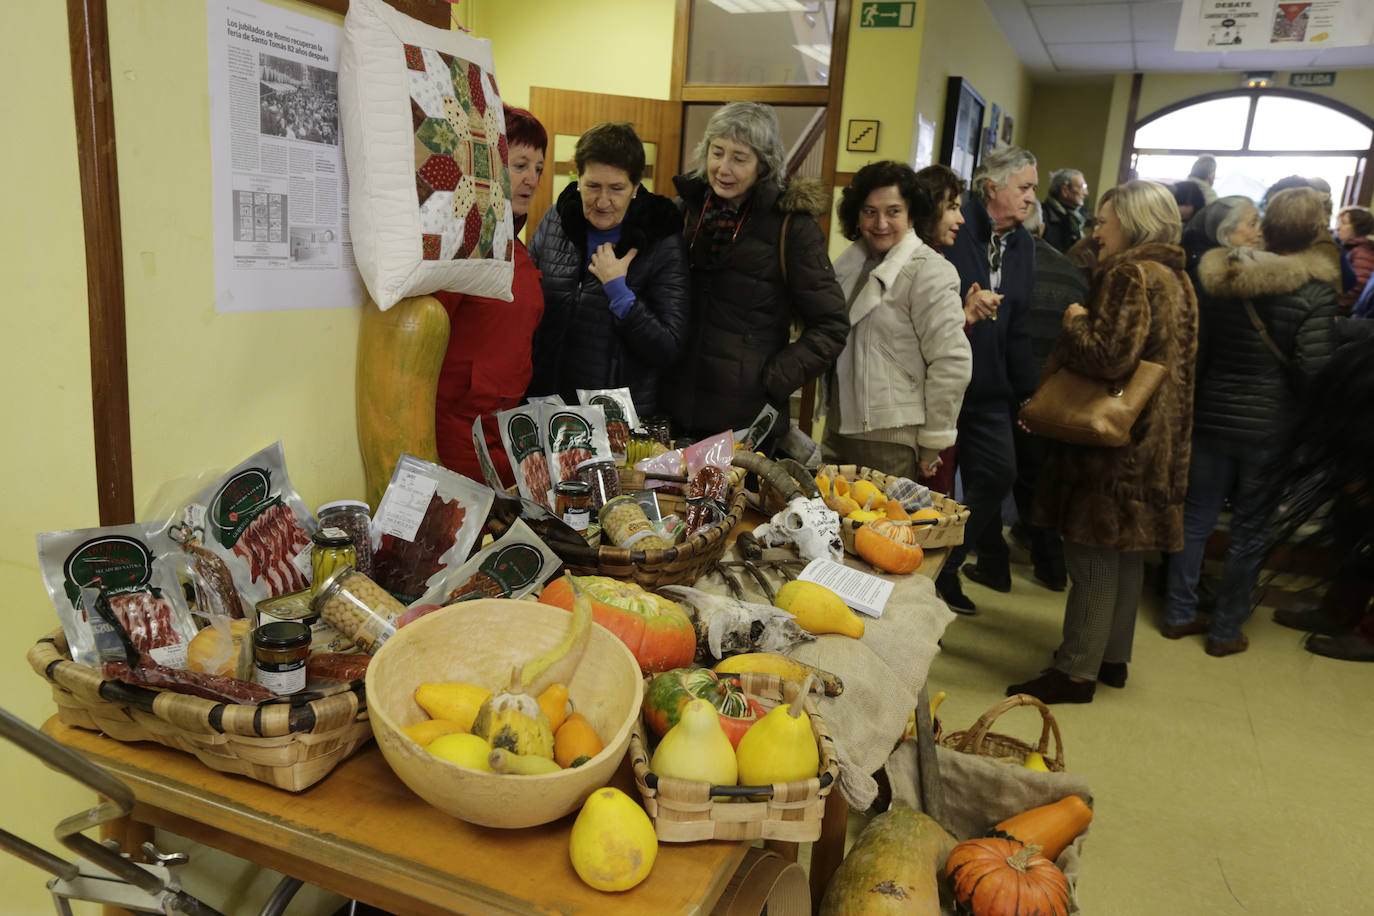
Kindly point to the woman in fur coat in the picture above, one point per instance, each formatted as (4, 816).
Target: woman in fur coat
(1111, 505)
(1249, 388)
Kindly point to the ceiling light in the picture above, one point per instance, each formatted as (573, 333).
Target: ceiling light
(817, 52)
(761, 6)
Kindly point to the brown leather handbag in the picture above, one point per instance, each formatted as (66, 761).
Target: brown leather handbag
(1073, 408)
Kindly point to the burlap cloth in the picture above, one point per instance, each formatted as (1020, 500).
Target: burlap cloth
(980, 792)
(883, 672)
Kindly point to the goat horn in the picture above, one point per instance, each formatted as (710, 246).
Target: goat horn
(770, 471)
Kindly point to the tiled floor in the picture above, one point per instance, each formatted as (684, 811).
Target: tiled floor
(1222, 785)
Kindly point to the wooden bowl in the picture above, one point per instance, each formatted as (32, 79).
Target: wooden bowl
(478, 642)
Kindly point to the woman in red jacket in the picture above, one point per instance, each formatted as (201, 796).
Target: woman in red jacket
(487, 366)
(1353, 227)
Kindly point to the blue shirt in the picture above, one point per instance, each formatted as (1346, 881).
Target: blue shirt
(621, 297)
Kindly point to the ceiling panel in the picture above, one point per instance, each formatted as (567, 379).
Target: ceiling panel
(1114, 36)
(1072, 24)
(1155, 22)
(1095, 56)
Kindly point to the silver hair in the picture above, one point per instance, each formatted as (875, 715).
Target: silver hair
(998, 167)
(756, 126)
(1061, 179)
(1033, 219)
(1238, 208)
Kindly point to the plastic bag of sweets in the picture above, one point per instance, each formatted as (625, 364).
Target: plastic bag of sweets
(520, 434)
(573, 435)
(426, 524)
(620, 416)
(255, 521)
(135, 566)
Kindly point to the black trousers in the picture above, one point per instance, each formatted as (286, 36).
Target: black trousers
(1046, 549)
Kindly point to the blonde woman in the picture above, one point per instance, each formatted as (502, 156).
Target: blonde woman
(1111, 505)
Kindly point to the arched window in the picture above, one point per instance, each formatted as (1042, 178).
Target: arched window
(1258, 136)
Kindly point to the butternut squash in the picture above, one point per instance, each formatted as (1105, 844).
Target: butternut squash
(400, 352)
(893, 869)
(1051, 827)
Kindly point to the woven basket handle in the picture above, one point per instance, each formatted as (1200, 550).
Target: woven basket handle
(972, 742)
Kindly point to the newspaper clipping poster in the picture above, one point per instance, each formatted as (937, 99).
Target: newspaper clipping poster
(1249, 25)
(280, 190)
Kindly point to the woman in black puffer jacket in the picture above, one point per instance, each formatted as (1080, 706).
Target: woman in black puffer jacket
(1247, 397)
(740, 355)
(614, 278)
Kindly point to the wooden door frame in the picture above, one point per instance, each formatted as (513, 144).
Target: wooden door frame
(569, 112)
(88, 41)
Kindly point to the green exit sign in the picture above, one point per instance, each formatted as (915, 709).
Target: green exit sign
(886, 15)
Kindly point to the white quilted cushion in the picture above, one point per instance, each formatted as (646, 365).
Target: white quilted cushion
(428, 168)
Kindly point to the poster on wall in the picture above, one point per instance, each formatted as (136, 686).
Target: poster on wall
(277, 169)
(1275, 25)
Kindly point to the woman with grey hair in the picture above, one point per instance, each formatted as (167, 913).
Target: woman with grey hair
(759, 264)
(1227, 222)
(1112, 505)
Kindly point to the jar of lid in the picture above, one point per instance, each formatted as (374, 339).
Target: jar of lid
(352, 516)
(573, 503)
(358, 608)
(280, 652)
(624, 524)
(330, 549)
(600, 474)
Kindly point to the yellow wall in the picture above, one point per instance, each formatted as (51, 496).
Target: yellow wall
(963, 39)
(47, 464)
(1067, 126)
(619, 47)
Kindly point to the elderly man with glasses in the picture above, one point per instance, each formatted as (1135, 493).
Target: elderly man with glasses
(995, 257)
(1063, 211)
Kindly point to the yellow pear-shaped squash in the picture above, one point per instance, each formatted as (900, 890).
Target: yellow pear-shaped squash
(818, 609)
(780, 747)
(697, 748)
(612, 845)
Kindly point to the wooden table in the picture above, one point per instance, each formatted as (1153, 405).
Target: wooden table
(361, 833)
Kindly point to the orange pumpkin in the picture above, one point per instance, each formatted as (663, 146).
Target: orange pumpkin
(576, 742)
(1051, 827)
(996, 877)
(889, 546)
(658, 631)
(896, 512)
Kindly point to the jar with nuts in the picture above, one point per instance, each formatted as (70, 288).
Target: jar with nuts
(358, 608)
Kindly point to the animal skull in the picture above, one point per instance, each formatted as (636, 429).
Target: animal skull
(808, 523)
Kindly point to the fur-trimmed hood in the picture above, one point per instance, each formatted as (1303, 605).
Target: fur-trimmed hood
(798, 195)
(1243, 272)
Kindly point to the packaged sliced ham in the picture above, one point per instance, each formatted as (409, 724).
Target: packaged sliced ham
(256, 522)
(135, 567)
(426, 524)
(511, 567)
(520, 434)
(620, 416)
(573, 435)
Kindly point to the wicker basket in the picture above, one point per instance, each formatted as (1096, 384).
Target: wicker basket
(680, 565)
(684, 811)
(290, 745)
(947, 531)
(978, 740)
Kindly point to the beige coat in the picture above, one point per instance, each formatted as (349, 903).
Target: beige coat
(907, 360)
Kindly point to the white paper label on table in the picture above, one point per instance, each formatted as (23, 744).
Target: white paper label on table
(404, 505)
(865, 593)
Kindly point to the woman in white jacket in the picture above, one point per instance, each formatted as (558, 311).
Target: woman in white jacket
(896, 389)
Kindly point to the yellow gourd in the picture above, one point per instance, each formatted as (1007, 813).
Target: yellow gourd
(554, 702)
(612, 845)
(780, 747)
(452, 701)
(400, 352)
(513, 720)
(867, 494)
(697, 748)
(818, 609)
